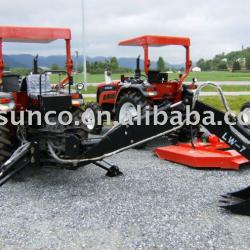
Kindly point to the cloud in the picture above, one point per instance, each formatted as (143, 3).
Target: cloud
(213, 26)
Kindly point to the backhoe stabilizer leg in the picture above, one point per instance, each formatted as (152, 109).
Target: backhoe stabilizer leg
(18, 161)
(112, 170)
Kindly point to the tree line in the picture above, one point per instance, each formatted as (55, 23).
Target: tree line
(233, 61)
(98, 67)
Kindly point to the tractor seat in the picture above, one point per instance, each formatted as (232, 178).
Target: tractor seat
(33, 85)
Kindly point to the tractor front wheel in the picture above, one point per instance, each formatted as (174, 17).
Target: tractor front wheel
(91, 117)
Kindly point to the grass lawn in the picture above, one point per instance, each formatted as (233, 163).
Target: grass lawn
(90, 90)
(235, 102)
(201, 76)
(232, 88)
(229, 88)
(218, 76)
(89, 99)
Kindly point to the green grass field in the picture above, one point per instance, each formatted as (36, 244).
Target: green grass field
(235, 102)
(233, 88)
(89, 99)
(229, 88)
(216, 76)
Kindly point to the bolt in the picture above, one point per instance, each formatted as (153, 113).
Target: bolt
(32, 150)
(33, 159)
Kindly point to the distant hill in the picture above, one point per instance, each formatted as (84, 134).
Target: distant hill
(25, 61)
(225, 61)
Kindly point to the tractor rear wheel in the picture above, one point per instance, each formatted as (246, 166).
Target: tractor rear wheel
(6, 145)
(127, 106)
(91, 116)
(127, 109)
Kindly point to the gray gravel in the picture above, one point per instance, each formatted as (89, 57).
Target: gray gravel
(154, 205)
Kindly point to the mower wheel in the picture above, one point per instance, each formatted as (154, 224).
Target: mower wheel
(91, 116)
(6, 146)
(245, 110)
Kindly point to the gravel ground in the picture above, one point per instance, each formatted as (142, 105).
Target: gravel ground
(154, 205)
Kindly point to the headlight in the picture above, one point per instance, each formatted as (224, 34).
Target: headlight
(152, 93)
(80, 86)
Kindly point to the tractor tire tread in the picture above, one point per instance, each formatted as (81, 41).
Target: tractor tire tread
(95, 107)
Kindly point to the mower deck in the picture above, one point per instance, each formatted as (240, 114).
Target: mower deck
(203, 155)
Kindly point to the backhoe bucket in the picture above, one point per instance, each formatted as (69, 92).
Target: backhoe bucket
(237, 202)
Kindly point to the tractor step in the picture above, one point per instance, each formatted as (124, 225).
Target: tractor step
(203, 155)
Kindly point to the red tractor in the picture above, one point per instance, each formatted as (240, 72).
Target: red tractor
(35, 91)
(121, 97)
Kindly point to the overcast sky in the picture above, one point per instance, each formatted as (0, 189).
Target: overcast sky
(214, 26)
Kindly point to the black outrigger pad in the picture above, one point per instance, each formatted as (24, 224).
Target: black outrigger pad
(113, 172)
(237, 202)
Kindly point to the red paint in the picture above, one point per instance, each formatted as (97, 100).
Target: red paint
(101, 96)
(158, 41)
(21, 100)
(35, 35)
(1, 60)
(214, 154)
(107, 97)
